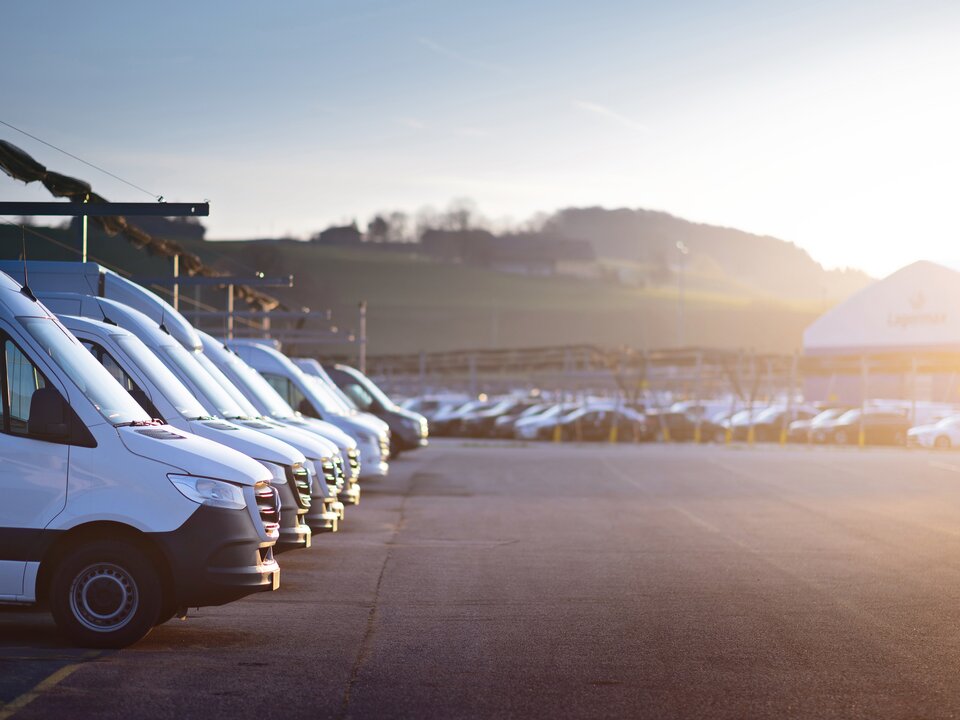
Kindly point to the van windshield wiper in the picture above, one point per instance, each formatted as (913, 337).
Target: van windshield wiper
(138, 423)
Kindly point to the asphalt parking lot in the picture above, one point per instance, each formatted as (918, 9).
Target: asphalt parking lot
(492, 580)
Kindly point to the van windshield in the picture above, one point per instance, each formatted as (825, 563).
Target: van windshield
(161, 378)
(248, 410)
(369, 385)
(253, 383)
(90, 377)
(331, 403)
(215, 396)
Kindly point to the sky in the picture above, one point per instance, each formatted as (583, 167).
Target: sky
(833, 125)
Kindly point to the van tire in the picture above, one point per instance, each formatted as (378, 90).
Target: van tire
(114, 577)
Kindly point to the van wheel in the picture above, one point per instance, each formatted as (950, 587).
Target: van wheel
(840, 437)
(105, 594)
(942, 442)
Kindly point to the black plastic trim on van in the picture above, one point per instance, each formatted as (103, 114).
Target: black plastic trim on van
(26, 544)
(216, 557)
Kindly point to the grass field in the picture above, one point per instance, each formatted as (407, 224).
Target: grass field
(417, 304)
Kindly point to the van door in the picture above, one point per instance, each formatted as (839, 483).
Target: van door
(33, 472)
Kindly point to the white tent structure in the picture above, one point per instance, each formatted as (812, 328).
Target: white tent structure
(897, 338)
(916, 309)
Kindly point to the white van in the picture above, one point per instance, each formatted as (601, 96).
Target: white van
(267, 403)
(117, 521)
(134, 356)
(93, 280)
(307, 397)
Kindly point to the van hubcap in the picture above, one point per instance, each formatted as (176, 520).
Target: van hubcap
(103, 597)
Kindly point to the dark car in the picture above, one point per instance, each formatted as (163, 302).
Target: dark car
(597, 424)
(503, 425)
(714, 427)
(481, 423)
(880, 427)
(677, 426)
(768, 425)
(408, 430)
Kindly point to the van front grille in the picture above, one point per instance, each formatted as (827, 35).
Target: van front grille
(299, 480)
(268, 505)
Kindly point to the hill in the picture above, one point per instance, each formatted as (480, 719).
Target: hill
(723, 258)
(417, 303)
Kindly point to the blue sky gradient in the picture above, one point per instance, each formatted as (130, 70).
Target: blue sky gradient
(830, 124)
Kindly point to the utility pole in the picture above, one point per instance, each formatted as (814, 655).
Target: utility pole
(176, 276)
(684, 251)
(363, 337)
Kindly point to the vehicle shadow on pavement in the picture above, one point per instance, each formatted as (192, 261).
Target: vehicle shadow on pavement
(31, 650)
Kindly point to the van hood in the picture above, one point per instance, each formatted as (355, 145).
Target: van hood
(326, 430)
(251, 443)
(191, 454)
(311, 445)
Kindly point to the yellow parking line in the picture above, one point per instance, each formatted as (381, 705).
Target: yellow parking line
(49, 682)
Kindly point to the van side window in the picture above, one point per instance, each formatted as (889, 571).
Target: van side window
(280, 384)
(111, 365)
(121, 376)
(289, 392)
(22, 380)
(361, 398)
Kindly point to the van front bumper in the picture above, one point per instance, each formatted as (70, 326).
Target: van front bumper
(351, 494)
(323, 519)
(217, 556)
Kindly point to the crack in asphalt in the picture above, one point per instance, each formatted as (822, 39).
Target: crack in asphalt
(367, 641)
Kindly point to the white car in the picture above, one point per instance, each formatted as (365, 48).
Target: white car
(944, 434)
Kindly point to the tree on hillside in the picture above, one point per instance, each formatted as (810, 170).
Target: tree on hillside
(377, 230)
(459, 215)
(398, 227)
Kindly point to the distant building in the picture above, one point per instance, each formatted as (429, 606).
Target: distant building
(530, 254)
(342, 235)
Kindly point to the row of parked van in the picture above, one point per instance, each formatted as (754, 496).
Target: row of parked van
(882, 422)
(149, 468)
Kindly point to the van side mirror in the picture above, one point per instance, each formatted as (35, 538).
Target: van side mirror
(48, 415)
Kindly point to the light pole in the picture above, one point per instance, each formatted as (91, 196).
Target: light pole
(683, 250)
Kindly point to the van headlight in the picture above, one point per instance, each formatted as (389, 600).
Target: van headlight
(278, 473)
(205, 491)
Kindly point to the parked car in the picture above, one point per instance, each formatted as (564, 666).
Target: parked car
(542, 424)
(675, 425)
(503, 426)
(114, 520)
(481, 423)
(881, 427)
(803, 430)
(596, 423)
(944, 434)
(768, 424)
(448, 423)
(714, 427)
(408, 430)
(343, 480)
(310, 399)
